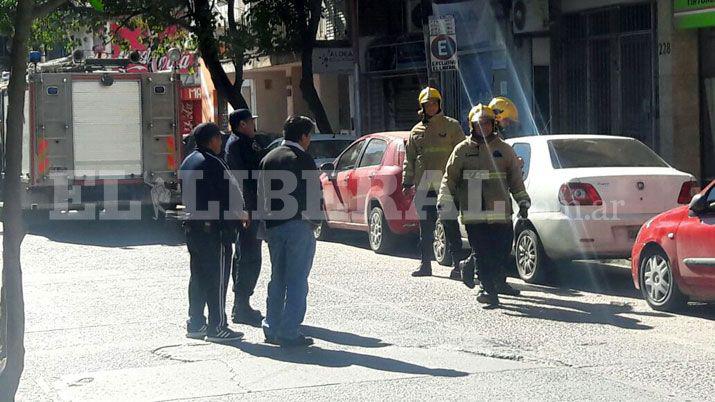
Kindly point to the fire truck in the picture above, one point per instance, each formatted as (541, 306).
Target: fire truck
(95, 134)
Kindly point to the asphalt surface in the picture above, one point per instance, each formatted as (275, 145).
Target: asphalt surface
(106, 305)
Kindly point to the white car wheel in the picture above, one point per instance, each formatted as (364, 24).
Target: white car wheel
(658, 284)
(439, 245)
(530, 257)
(379, 234)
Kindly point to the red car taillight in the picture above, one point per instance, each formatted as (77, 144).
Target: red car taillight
(579, 194)
(687, 192)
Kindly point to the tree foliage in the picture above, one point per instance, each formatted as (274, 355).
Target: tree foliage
(53, 26)
(292, 25)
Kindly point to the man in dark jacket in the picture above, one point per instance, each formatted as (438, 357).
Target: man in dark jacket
(214, 207)
(289, 171)
(243, 154)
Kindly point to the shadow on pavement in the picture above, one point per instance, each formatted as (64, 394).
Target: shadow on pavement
(111, 233)
(575, 312)
(316, 356)
(595, 277)
(699, 310)
(406, 247)
(343, 338)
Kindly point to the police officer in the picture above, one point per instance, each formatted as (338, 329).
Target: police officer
(213, 203)
(428, 147)
(243, 153)
(487, 214)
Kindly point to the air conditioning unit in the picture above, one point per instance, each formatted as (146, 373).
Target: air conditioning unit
(413, 16)
(530, 16)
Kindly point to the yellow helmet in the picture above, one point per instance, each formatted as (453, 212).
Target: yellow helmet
(504, 109)
(429, 94)
(480, 111)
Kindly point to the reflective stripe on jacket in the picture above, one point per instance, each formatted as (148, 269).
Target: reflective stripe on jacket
(496, 166)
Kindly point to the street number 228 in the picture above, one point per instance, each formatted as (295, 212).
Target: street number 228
(664, 48)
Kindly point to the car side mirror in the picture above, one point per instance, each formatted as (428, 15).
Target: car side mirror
(698, 205)
(327, 167)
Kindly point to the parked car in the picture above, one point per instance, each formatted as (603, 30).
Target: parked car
(362, 191)
(673, 258)
(323, 147)
(590, 196)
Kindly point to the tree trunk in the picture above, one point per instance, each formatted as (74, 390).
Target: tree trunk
(310, 95)
(307, 84)
(14, 231)
(208, 46)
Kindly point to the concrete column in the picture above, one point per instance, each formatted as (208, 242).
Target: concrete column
(679, 95)
(296, 101)
(327, 87)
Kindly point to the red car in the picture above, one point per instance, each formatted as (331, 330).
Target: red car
(673, 259)
(362, 190)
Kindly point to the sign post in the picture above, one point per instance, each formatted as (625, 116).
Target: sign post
(442, 43)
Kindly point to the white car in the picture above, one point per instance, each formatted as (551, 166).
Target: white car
(590, 196)
(323, 147)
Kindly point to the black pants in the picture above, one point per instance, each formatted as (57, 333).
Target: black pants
(209, 274)
(491, 246)
(427, 221)
(454, 240)
(246, 263)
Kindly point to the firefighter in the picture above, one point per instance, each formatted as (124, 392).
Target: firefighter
(485, 162)
(429, 145)
(507, 116)
(507, 125)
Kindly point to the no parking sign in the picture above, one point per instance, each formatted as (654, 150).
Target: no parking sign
(443, 43)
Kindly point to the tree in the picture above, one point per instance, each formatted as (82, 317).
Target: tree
(270, 26)
(292, 25)
(200, 18)
(23, 14)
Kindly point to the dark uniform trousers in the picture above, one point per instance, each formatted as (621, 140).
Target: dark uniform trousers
(491, 244)
(246, 263)
(427, 221)
(210, 269)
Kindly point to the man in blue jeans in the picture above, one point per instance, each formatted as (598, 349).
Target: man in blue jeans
(289, 230)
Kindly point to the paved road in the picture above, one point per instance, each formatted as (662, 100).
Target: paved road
(106, 308)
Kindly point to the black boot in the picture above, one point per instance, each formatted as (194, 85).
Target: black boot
(456, 272)
(490, 298)
(425, 269)
(467, 269)
(242, 313)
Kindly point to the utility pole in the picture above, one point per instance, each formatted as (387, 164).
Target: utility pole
(355, 41)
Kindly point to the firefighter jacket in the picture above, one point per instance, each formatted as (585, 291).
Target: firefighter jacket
(428, 148)
(479, 177)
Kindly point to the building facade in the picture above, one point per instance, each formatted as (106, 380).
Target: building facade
(643, 69)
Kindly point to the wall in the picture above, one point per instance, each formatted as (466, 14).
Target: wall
(271, 100)
(678, 88)
(327, 87)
